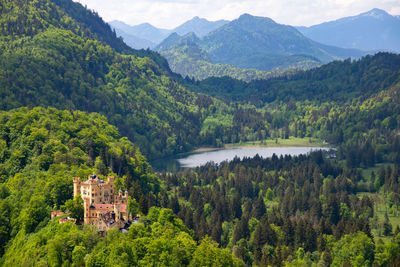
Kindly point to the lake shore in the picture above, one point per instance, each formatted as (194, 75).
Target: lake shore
(291, 142)
(206, 149)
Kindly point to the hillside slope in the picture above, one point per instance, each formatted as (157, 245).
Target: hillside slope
(40, 151)
(49, 59)
(338, 81)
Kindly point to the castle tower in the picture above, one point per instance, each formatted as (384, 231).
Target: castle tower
(110, 179)
(117, 213)
(86, 211)
(77, 186)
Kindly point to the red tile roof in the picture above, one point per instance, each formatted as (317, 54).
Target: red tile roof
(102, 207)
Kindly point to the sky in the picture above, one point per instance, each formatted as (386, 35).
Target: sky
(170, 13)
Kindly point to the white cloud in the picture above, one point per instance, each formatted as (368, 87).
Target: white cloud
(170, 13)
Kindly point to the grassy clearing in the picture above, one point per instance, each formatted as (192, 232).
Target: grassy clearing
(366, 173)
(380, 208)
(279, 142)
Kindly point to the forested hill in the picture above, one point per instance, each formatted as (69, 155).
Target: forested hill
(339, 81)
(40, 151)
(49, 58)
(94, 27)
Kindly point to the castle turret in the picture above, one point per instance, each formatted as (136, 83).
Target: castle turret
(86, 207)
(110, 179)
(117, 211)
(77, 186)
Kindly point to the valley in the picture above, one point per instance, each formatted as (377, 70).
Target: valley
(78, 101)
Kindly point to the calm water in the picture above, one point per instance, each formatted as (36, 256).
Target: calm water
(193, 160)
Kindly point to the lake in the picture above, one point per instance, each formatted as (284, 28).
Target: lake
(192, 160)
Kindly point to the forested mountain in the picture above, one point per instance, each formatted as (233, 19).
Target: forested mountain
(339, 81)
(190, 61)
(373, 30)
(352, 104)
(186, 58)
(248, 43)
(93, 27)
(257, 42)
(50, 59)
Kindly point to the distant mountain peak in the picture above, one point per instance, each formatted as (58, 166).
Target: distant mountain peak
(246, 15)
(376, 13)
(145, 24)
(249, 18)
(374, 30)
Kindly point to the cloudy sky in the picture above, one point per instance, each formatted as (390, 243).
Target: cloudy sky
(170, 13)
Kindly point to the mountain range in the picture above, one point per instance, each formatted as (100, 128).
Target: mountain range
(257, 48)
(146, 35)
(372, 30)
(248, 42)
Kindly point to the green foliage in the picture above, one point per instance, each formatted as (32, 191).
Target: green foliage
(338, 81)
(133, 207)
(355, 249)
(66, 63)
(76, 208)
(187, 62)
(208, 254)
(162, 242)
(71, 142)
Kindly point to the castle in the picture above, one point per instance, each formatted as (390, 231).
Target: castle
(103, 207)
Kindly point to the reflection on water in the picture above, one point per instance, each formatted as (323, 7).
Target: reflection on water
(197, 159)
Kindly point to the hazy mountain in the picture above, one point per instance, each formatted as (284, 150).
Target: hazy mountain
(146, 35)
(260, 43)
(199, 26)
(171, 41)
(372, 30)
(144, 31)
(134, 41)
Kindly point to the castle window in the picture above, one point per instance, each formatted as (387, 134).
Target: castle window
(92, 195)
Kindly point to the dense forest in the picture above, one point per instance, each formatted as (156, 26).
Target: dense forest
(287, 211)
(75, 99)
(338, 81)
(41, 150)
(190, 61)
(46, 61)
